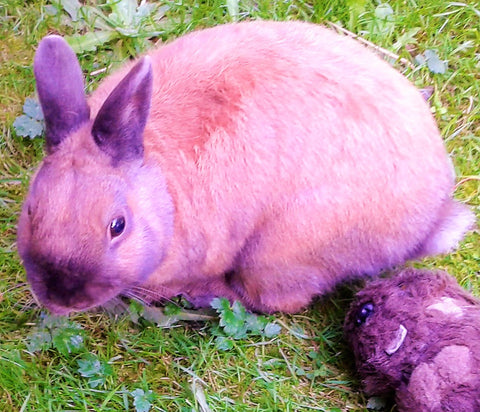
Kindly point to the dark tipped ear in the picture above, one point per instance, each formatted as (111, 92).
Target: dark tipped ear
(60, 89)
(120, 123)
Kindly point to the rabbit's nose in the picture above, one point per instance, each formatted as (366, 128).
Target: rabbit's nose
(65, 284)
(65, 290)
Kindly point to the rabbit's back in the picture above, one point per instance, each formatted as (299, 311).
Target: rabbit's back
(295, 125)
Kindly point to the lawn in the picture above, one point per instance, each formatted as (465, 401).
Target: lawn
(184, 360)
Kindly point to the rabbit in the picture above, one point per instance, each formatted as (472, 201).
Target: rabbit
(264, 162)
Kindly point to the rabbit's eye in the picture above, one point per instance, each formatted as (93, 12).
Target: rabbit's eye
(117, 226)
(364, 313)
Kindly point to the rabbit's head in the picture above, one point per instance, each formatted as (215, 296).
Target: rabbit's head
(97, 219)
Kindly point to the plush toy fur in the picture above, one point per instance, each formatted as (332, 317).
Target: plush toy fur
(417, 334)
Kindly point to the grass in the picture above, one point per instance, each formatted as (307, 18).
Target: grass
(307, 366)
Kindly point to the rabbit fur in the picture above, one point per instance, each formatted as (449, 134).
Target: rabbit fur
(261, 161)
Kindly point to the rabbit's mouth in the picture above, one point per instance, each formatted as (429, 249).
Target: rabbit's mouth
(64, 302)
(67, 288)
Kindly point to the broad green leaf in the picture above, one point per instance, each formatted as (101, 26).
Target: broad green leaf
(256, 324)
(97, 371)
(123, 11)
(223, 343)
(96, 381)
(233, 9)
(434, 63)
(237, 323)
(25, 126)
(384, 19)
(90, 41)
(384, 12)
(57, 332)
(39, 341)
(94, 17)
(233, 325)
(239, 310)
(272, 329)
(142, 400)
(144, 11)
(89, 365)
(220, 304)
(67, 341)
(299, 371)
(420, 59)
(32, 109)
(72, 7)
(409, 37)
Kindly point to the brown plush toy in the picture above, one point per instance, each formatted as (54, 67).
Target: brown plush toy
(417, 335)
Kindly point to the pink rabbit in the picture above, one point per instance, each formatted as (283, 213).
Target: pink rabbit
(265, 162)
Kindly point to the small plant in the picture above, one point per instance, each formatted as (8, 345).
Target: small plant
(165, 317)
(97, 371)
(30, 123)
(430, 59)
(116, 19)
(67, 337)
(236, 323)
(142, 400)
(57, 333)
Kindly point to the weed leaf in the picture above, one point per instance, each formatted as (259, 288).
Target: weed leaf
(67, 341)
(33, 109)
(407, 38)
(384, 12)
(237, 323)
(25, 126)
(30, 123)
(39, 341)
(256, 324)
(142, 400)
(233, 9)
(223, 343)
(272, 329)
(72, 7)
(123, 11)
(220, 304)
(91, 40)
(434, 63)
(89, 366)
(56, 332)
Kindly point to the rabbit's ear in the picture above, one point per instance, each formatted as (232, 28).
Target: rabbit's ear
(120, 123)
(60, 89)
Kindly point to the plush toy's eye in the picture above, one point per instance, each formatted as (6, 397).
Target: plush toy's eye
(117, 226)
(364, 313)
